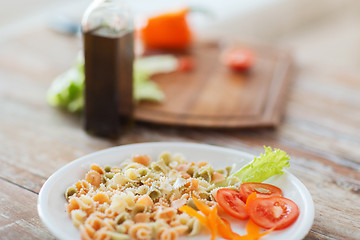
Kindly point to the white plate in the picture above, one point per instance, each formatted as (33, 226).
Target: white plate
(51, 202)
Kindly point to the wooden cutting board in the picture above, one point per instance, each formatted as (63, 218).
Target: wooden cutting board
(211, 95)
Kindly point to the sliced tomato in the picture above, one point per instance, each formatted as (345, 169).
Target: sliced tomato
(230, 201)
(239, 59)
(273, 212)
(261, 189)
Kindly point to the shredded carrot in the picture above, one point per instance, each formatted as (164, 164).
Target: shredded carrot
(226, 222)
(267, 232)
(192, 212)
(245, 237)
(251, 197)
(205, 209)
(212, 223)
(217, 225)
(220, 226)
(224, 229)
(253, 230)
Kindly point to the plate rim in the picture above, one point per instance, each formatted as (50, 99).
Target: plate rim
(45, 189)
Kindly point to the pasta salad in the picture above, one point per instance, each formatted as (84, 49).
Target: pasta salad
(140, 199)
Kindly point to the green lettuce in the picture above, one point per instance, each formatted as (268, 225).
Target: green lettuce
(67, 90)
(145, 89)
(267, 165)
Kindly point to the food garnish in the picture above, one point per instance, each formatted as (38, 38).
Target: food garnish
(267, 165)
(261, 189)
(273, 212)
(219, 226)
(164, 199)
(231, 201)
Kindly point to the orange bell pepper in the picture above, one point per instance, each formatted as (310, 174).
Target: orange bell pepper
(220, 226)
(168, 31)
(205, 209)
(193, 213)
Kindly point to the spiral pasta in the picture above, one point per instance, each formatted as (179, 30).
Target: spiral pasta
(139, 199)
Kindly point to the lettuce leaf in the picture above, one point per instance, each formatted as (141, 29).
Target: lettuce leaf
(67, 90)
(145, 89)
(267, 165)
(154, 64)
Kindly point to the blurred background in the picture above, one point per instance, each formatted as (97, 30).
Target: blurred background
(323, 32)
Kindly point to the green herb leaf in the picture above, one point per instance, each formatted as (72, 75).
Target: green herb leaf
(267, 165)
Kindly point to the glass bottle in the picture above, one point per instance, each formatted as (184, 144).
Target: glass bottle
(107, 28)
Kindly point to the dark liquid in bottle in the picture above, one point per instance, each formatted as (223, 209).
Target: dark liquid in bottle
(108, 82)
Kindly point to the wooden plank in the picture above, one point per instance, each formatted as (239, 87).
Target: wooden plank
(21, 175)
(214, 96)
(18, 214)
(331, 193)
(33, 146)
(36, 140)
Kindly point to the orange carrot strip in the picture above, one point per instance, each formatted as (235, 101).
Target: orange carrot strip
(251, 197)
(245, 237)
(192, 212)
(226, 222)
(212, 220)
(205, 209)
(267, 232)
(252, 229)
(224, 229)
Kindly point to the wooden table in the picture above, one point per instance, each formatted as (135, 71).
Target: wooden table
(320, 130)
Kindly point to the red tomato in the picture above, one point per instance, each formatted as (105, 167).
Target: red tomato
(185, 64)
(261, 189)
(230, 201)
(239, 59)
(273, 212)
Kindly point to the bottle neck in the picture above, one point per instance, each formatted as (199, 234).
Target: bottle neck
(121, 2)
(108, 18)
